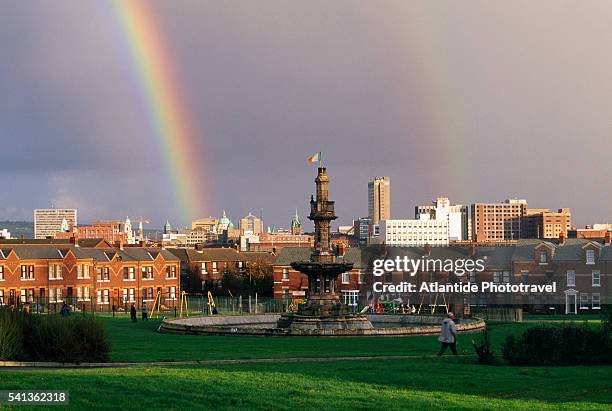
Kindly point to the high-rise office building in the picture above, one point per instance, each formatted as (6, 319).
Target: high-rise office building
(497, 222)
(379, 199)
(49, 221)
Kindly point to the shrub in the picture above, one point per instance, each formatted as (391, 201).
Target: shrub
(566, 344)
(483, 349)
(78, 338)
(11, 339)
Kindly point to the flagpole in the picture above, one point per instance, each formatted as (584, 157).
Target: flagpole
(320, 159)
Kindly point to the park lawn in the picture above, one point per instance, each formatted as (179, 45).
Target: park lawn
(137, 342)
(430, 383)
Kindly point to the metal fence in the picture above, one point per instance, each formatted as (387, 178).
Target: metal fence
(195, 304)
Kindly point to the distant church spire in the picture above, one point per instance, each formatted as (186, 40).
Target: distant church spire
(296, 226)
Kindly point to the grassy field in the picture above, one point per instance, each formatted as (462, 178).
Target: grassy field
(423, 382)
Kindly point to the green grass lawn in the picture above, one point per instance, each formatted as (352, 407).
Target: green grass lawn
(423, 382)
(138, 342)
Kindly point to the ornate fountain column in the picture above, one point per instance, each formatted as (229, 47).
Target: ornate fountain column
(324, 309)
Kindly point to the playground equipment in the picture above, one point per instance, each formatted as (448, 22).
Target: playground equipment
(184, 304)
(156, 304)
(435, 304)
(212, 307)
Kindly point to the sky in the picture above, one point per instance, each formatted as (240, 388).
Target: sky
(478, 101)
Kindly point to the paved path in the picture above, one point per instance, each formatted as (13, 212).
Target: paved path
(57, 365)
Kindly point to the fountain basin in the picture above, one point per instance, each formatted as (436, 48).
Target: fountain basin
(266, 325)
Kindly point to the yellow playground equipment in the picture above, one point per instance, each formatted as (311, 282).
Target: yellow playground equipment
(156, 304)
(435, 304)
(184, 304)
(212, 307)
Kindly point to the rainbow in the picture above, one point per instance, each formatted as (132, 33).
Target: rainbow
(169, 115)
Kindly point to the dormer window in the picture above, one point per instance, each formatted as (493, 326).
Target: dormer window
(590, 256)
(543, 257)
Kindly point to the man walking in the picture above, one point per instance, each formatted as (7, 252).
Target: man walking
(448, 333)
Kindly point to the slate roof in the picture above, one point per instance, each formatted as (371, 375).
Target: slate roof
(214, 254)
(57, 252)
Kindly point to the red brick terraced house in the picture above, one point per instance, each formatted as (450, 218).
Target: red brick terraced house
(47, 275)
(203, 268)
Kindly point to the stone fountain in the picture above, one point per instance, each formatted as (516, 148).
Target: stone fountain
(324, 309)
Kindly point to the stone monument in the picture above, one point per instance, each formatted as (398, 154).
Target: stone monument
(324, 309)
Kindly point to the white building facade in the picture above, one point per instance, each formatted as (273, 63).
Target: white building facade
(415, 233)
(49, 221)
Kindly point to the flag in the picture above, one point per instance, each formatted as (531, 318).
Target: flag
(314, 158)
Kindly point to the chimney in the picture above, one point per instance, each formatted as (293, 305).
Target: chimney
(74, 241)
(607, 238)
(199, 247)
(341, 249)
(561, 238)
(427, 249)
(143, 243)
(119, 244)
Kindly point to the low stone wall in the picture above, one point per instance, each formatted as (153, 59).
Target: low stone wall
(265, 325)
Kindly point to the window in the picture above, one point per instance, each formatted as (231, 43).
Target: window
(203, 270)
(1, 273)
(27, 272)
(472, 276)
(571, 279)
(596, 301)
(171, 272)
(590, 256)
(345, 278)
(82, 271)
(239, 264)
(171, 293)
(584, 301)
(147, 294)
(285, 273)
(596, 279)
(55, 272)
(525, 277)
(361, 277)
(102, 296)
(147, 273)
(24, 298)
(83, 293)
(543, 257)
(214, 265)
(128, 295)
(496, 276)
(55, 295)
(1, 297)
(507, 277)
(129, 274)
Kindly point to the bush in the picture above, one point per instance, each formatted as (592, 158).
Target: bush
(566, 344)
(483, 349)
(11, 339)
(78, 338)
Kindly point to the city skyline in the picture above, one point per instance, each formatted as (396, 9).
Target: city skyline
(418, 92)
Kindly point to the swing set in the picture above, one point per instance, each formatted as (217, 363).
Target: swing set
(435, 304)
(184, 305)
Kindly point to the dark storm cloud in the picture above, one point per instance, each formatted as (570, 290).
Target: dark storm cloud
(478, 101)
